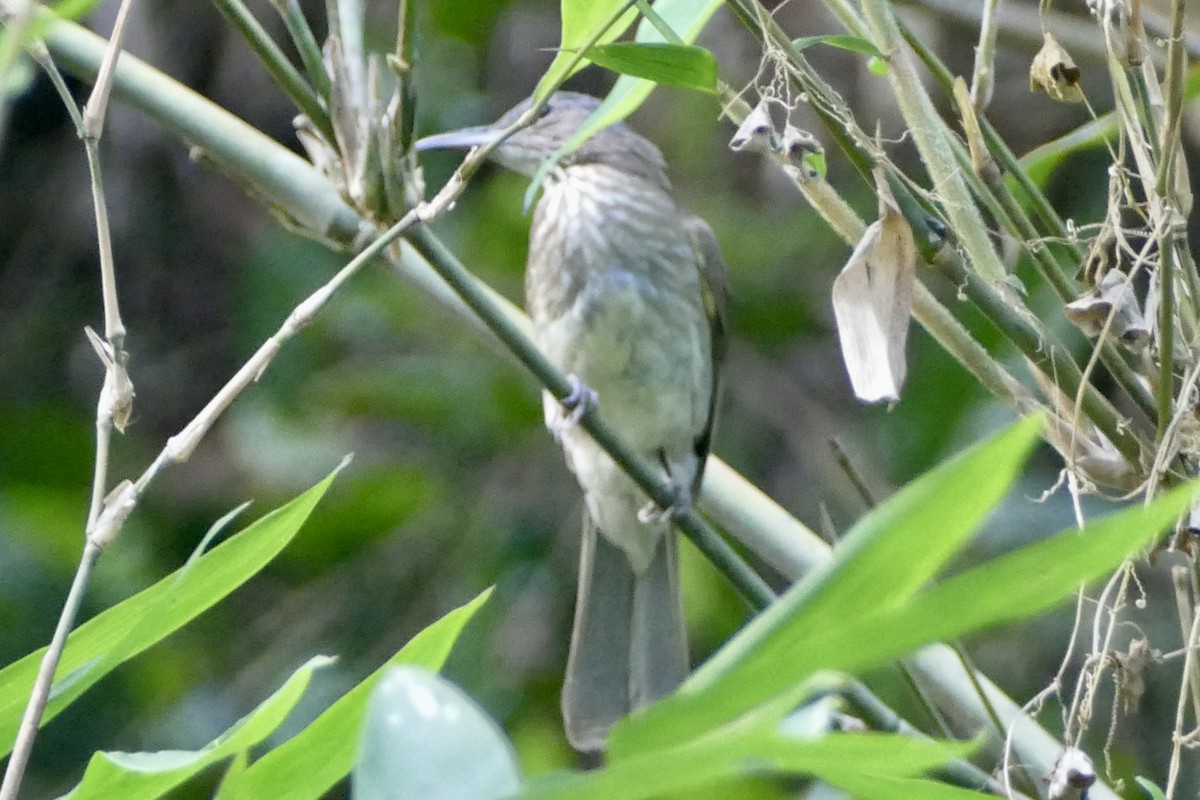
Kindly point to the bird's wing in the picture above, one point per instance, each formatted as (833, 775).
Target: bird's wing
(715, 285)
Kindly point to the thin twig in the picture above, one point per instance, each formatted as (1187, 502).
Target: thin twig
(114, 405)
(1192, 643)
(23, 746)
(983, 79)
(1185, 607)
(275, 62)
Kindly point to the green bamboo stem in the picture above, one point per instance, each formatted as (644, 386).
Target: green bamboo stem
(282, 71)
(306, 44)
(1050, 357)
(932, 139)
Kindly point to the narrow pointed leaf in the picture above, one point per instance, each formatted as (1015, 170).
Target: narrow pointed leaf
(312, 761)
(581, 21)
(683, 65)
(756, 750)
(873, 786)
(894, 549)
(1015, 586)
(132, 776)
(686, 18)
(851, 43)
(154, 613)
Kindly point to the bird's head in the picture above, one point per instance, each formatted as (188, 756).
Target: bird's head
(616, 146)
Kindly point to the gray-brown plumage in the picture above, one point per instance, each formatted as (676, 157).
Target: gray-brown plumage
(626, 293)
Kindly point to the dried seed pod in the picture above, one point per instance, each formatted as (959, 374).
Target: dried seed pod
(795, 152)
(1053, 71)
(1072, 775)
(757, 132)
(1113, 296)
(1101, 257)
(1131, 672)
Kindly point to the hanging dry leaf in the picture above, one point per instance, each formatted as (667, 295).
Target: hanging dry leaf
(1083, 447)
(872, 300)
(1114, 296)
(1054, 72)
(1132, 667)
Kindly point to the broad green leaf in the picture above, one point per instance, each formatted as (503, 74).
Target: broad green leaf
(683, 65)
(1041, 162)
(425, 739)
(769, 678)
(131, 776)
(138, 631)
(686, 18)
(894, 549)
(582, 23)
(737, 751)
(312, 761)
(1014, 586)
(125, 630)
(1150, 788)
(852, 43)
(869, 785)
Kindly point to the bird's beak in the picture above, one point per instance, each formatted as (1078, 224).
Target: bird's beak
(459, 140)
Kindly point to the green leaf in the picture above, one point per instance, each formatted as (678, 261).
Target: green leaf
(683, 65)
(131, 776)
(872, 786)
(1150, 788)
(1014, 586)
(857, 623)
(125, 630)
(1039, 164)
(686, 18)
(892, 551)
(312, 761)
(739, 751)
(852, 43)
(425, 739)
(581, 21)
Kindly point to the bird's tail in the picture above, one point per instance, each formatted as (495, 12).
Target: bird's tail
(629, 646)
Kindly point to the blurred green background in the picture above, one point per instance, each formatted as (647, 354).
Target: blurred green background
(455, 485)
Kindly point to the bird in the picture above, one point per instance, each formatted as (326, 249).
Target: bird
(628, 296)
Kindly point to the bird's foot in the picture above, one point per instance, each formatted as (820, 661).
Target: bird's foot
(581, 399)
(654, 514)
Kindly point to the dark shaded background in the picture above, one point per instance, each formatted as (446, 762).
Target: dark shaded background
(455, 485)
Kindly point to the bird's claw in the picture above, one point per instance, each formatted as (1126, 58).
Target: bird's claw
(654, 514)
(578, 402)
